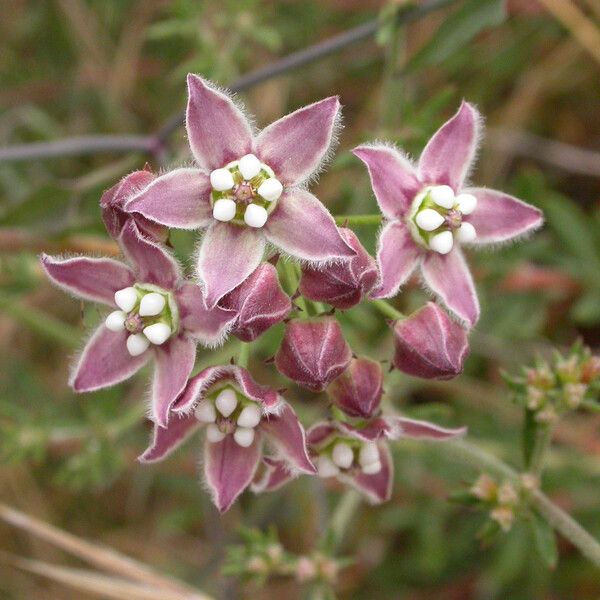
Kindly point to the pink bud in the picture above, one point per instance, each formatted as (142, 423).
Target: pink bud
(341, 284)
(113, 200)
(358, 390)
(429, 344)
(259, 302)
(313, 353)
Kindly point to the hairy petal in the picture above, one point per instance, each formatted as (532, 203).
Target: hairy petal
(218, 131)
(105, 361)
(95, 279)
(397, 257)
(449, 154)
(167, 439)
(301, 226)
(174, 363)
(153, 264)
(228, 255)
(275, 474)
(286, 433)
(377, 488)
(208, 325)
(179, 198)
(394, 179)
(295, 145)
(320, 433)
(422, 430)
(373, 430)
(229, 469)
(500, 217)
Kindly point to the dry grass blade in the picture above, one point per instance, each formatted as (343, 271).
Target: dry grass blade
(103, 586)
(95, 554)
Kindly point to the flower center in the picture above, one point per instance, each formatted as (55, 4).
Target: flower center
(227, 412)
(348, 455)
(148, 313)
(244, 192)
(436, 219)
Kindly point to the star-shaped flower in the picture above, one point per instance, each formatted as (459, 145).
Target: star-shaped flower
(430, 213)
(246, 189)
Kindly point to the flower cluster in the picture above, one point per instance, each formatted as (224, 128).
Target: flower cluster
(247, 192)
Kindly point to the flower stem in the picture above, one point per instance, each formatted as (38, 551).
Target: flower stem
(543, 437)
(358, 219)
(342, 515)
(243, 355)
(291, 276)
(387, 309)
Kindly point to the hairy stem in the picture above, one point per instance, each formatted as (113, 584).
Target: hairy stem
(343, 514)
(385, 308)
(543, 438)
(358, 219)
(244, 354)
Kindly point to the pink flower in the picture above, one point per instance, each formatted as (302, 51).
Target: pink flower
(113, 202)
(313, 352)
(259, 303)
(156, 313)
(342, 284)
(246, 189)
(429, 344)
(239, 415)
(430, 214)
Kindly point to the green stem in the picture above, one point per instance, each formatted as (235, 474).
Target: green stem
(343, 513)
(243, 355)
(358, 219)
(291, 276)
(543, 437)
(387, 309)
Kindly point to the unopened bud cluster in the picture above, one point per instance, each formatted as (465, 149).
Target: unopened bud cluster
(500, 499)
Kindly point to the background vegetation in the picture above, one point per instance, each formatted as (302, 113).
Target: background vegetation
(75, 67)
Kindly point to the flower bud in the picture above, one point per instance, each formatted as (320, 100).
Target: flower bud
(115, 216)
(358, 390)
(259, 302)
(429, 344)
(313, 353)
(341, 284)
(485, 488)
(574, 394)
(590, 370)
(504, 516)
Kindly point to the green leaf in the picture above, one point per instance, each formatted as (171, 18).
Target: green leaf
(586, 310)
(544, 540)
(459, 29)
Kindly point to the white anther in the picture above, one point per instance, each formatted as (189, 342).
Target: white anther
(250, 416)
(151, 304)
(224, 209)
(325, 467)
(342, 455)
(243, 436)
(214, 434)
(369, 453)
(158, 333)
(442, 195)
(442, 242)
(429, 219)
(116, 320)
(221, 180)
(249, 166)
(205, 412)
(137, 344)
(126, 298)
(226, 402)
(371, 468)
(466, 203)
(270, 189)
(466, 233)
(255, 215)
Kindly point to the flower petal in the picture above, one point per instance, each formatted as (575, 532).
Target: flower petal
(218, 131)
(422, 430)
(95, 279)
(174, 363)
(449, 278)
(105, 361)
(449, 154)
(500, 217)
(377, 488)
(394, 179)
(228, 255)
(320, 433)
(208, 325)
(301, 226)
(286, 433)
(229, 469)
(295, 145)
(372, 431)
(153, 263)
(167, 439)
(179, 198)
(275, 473)
(397, 257)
